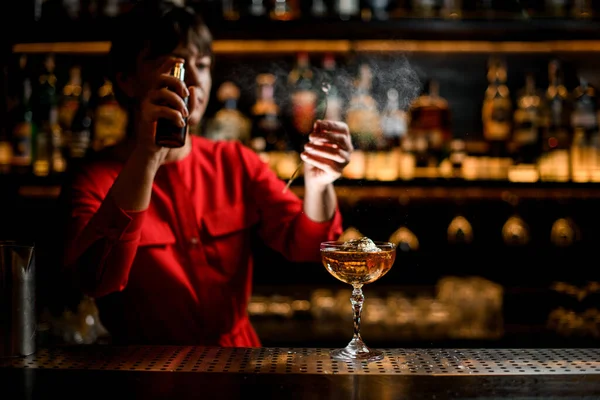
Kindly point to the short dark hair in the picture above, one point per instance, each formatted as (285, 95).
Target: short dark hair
(157, 26)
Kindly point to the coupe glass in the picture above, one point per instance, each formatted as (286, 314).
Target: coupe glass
(357, 268)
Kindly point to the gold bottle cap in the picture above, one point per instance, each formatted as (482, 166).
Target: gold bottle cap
(265, 79)
(23, 61)
(50, 63)
(329, 61)
(106, 89)
(228, 90)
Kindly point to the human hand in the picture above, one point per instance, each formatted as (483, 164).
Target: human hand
(327, 153)
(165, 100)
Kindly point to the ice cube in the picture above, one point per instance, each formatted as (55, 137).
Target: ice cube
(363, 244)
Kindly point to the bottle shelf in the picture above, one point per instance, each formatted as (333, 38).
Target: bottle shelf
(499, 30)
(338, 46)
(62, 48)
(450, 190)
(435, 190)
(472, 46)
(407, 34)
(219, 47)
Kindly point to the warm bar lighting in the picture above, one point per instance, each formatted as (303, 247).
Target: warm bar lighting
(463, 46)
(219, 47)
(339, 46)
(39, 191)
(523, 173)
(63, 47)
(280, 46)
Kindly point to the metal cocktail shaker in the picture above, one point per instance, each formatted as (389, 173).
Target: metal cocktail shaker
(17, 300)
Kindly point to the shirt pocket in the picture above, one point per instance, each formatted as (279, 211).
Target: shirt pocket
(226, 242)
(154, 268)
(156, 233)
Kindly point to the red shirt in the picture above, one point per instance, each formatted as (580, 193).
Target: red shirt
(180, 272)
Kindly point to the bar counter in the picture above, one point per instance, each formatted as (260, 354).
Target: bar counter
(172, 372)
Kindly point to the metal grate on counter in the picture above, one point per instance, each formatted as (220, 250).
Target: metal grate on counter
(314, 361)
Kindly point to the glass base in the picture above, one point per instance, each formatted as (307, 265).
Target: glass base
(356, 350)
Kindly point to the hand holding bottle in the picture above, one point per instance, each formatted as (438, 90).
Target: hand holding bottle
(164, 101)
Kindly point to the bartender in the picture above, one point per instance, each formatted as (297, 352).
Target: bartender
(159, 236)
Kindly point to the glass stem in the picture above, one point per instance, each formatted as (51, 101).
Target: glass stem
(357, 299)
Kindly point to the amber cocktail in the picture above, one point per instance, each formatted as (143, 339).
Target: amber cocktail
(357, 262)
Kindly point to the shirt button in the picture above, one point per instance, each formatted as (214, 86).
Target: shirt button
(194, 241)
